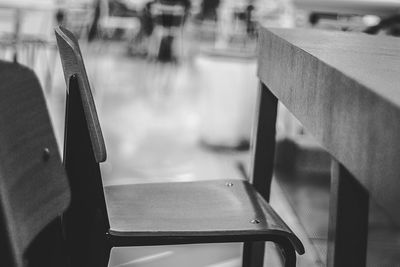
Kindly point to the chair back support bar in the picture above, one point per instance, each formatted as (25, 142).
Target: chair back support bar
(72, 62)
(34, 189)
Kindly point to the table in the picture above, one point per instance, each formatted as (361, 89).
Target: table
(345, 89)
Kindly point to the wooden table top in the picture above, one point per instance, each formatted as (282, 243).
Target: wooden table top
(345, 89)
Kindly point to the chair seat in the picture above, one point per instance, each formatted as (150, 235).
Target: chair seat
(188, 212)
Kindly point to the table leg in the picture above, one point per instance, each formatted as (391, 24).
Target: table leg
(348, 220)
(261, 174)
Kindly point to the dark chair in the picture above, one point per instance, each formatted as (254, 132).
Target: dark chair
(34, 189)
(148, 214)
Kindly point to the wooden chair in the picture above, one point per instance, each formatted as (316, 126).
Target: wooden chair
(34, 189)
(149, 214)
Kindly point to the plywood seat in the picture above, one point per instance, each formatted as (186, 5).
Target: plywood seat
(219, 210)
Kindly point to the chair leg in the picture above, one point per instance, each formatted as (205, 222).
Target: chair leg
(288, 252)
(101, 257)
(253, 254)
(100, 243)
(290, 257)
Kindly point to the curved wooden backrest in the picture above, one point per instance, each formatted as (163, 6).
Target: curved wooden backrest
(34, 189)
(86, 220)
(72, 62)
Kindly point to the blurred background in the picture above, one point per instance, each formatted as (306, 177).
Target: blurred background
(176, 90)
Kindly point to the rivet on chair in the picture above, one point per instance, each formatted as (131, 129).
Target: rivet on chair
(255, 221)
(229, 184)
(46, 154)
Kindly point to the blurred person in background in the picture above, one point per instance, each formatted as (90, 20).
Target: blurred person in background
(119, 8)
(149, 18)
(248, 18)
(208, 10)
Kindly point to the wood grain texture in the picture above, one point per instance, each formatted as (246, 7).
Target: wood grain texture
(72, 62)
(33, 186)
(344, 88)
(193, 212)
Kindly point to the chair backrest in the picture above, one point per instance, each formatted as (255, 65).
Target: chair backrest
(72, 62)
(34, 189)
(86, 221)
